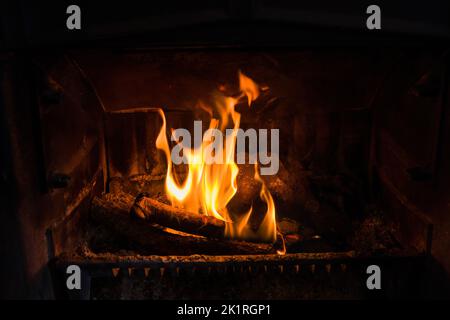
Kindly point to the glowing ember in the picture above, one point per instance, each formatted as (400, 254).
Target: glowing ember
(210, 185)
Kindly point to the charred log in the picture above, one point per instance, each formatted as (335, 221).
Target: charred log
(163, 214)
(114, 211)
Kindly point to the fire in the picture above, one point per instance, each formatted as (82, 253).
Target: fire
(209, 187)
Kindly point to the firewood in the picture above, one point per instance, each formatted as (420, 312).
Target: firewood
(163, 214)
(114, 210)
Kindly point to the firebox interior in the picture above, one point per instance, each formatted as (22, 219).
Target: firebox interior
(347, 167)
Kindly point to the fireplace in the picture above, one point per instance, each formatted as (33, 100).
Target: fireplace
(338, 201)
(224, 171)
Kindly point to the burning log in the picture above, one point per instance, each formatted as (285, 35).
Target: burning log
(165, 215)
(115, 211)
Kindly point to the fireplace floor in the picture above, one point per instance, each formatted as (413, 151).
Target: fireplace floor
(138, 261)
(371, 235)
(321, 275)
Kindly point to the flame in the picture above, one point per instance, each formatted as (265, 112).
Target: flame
(208, 187)
(268, 228)
(248, 87)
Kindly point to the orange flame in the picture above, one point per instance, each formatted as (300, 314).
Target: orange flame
(209, 187)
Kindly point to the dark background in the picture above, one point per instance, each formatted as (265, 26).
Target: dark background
(42, 24)
(31, 27)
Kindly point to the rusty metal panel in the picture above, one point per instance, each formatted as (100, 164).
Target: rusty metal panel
(71, 128)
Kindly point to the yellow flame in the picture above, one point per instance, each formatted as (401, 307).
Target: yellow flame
(248, 87)
(209, 187)
(268, 228)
